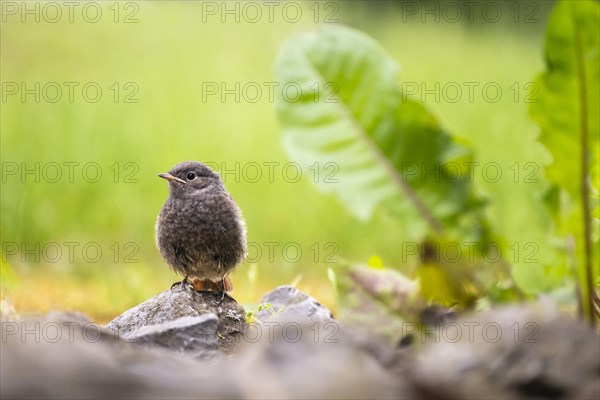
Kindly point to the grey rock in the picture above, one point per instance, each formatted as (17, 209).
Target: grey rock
(194, 336)
(512, 352)
(67, 316)
(313, 366)
(515, 352)
(305, 353)
(181, 302)
(289, 303)
(313, 360)
(57, 358)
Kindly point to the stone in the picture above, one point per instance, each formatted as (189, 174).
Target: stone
(194, 336)
(292, 304)
(181, 302)
(308, 354)
(57, 357)
(297, 351)
(313, 360)
(517, 352)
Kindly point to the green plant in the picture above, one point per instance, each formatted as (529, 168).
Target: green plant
(567, 114)
(352, 115)
(251, 314)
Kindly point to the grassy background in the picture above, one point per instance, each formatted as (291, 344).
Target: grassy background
(169, 54)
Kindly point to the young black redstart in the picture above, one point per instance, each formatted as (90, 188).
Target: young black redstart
(200, 232)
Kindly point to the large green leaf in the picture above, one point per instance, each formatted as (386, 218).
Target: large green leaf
(351, 116)
(567, 113)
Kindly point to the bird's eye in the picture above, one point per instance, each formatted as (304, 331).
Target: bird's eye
(191, 176)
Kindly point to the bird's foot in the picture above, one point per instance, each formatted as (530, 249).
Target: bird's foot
(207, 286)
(185, 282)
(225, 284)
(223, 293)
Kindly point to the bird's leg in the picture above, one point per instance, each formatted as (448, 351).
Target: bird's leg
(222, 289)
(225, 285)
(185, 282)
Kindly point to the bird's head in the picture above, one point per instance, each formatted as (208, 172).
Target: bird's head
(190, 177)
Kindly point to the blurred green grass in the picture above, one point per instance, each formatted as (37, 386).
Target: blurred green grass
(169, 54)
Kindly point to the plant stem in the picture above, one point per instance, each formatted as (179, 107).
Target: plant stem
(583, 178)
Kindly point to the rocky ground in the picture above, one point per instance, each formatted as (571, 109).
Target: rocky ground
(184, 344)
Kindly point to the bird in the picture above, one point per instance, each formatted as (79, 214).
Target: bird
(200, 231)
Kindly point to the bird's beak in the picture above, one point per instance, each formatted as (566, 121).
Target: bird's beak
(171, 178)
